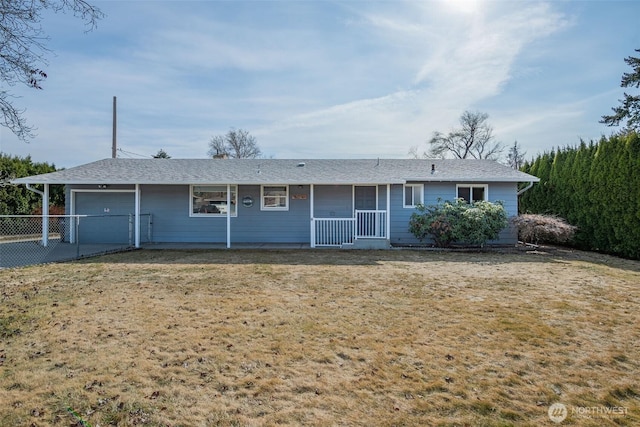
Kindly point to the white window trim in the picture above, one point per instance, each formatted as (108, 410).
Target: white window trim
(232, 188)
(272, 208)
(472, 186)
(420, 190)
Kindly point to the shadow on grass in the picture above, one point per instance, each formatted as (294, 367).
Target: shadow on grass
(31, 252)
(495, 256)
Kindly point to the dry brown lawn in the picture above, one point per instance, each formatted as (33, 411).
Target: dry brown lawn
(321, 338)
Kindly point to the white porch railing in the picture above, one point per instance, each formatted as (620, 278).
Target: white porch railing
(333, 231)
(366, 224)
(371, 224)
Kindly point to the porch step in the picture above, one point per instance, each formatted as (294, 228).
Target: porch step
(367, 244)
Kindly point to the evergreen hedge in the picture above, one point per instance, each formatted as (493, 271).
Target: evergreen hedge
(16, 199)
(596, 187)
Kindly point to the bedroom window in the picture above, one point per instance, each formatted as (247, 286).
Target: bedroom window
(413, 195)
(274, 198)
(211, 200)
(472, 192)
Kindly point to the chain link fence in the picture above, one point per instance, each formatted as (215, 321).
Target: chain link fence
(37, 239)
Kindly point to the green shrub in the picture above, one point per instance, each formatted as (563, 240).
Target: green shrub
(459, 222)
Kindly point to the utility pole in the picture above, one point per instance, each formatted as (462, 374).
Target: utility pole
(114, 144)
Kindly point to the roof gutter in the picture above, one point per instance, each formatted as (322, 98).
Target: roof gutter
(526, 188)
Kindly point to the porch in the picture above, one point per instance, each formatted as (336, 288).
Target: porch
(366, 229)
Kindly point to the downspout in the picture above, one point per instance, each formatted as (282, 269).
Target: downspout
(526, 188)
(45, 211)
(529, 185)
(35, 190)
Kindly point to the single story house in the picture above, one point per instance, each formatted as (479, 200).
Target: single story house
(320, 202)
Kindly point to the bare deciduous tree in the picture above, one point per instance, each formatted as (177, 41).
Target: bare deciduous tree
(235, 144)
(23, 49)
(474, 139)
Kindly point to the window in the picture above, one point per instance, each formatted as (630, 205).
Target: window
(274, 197)
(413, 195)
(211, 200)
(472, 192)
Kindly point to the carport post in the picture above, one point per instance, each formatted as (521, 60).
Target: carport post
(45, 216)
(137, 213)
(388, 224)
(313, 223)
(229, 214)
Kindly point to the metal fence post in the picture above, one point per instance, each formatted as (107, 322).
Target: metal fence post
(130, 229)
(149, 228)
(77, 235)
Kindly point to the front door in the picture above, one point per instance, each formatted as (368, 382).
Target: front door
(365, 199)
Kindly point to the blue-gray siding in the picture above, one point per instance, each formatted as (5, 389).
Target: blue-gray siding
(170, 205)
(435, 192)
(109, 217)
(333, 201)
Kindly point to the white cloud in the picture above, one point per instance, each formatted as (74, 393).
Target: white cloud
(308, 79)
(467, 67)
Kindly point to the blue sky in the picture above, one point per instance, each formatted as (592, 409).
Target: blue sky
(325, 79)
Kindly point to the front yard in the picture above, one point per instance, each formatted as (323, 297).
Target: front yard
(321, 337)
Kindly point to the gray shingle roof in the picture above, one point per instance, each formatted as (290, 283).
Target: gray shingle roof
(280, 171)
